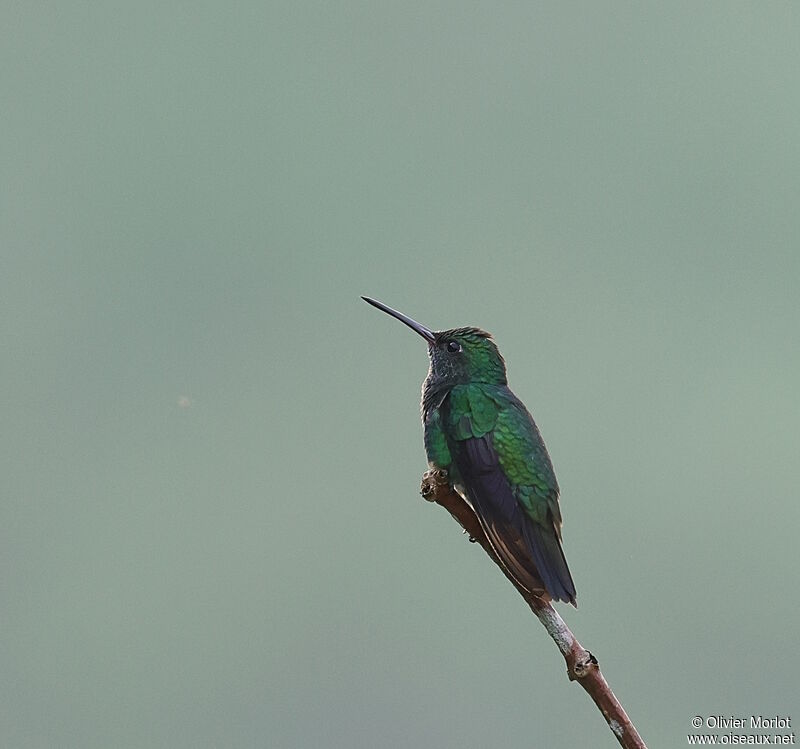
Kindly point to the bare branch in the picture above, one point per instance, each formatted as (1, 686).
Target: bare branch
(582, 666)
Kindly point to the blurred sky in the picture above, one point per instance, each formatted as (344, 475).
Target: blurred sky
(210, 529)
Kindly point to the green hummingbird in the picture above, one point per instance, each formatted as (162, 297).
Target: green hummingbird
(479, 432)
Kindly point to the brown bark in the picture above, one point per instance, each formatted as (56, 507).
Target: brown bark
(582, 666)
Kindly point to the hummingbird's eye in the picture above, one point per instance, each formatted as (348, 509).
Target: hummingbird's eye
(454, 347)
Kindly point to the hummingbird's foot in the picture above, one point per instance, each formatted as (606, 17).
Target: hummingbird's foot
(434, 481)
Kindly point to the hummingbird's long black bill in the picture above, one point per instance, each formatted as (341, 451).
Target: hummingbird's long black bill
(413, 324)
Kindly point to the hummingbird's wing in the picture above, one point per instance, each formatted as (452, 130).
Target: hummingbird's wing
(493, 452)
(531, 551)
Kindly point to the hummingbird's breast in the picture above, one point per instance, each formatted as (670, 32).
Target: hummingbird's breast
(436, 447)
(434, 391)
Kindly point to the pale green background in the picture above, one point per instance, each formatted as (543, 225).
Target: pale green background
(194, 196)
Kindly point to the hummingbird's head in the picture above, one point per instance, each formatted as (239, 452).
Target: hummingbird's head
(466, 355)
(457, 356)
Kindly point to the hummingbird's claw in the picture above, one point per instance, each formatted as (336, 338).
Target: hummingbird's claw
(431, 481)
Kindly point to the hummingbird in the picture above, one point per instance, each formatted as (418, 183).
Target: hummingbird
(478, 431)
